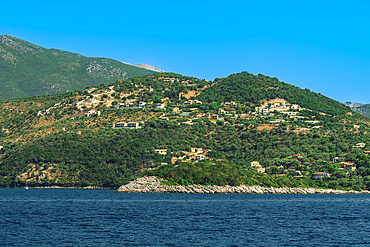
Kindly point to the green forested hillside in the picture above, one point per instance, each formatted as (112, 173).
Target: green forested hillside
(27, 69)
(224, 173)
(252, 89)
(68, 139)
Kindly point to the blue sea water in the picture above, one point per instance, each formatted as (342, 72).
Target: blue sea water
(42, 217)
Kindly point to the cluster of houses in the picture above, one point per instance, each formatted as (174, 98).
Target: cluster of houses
(190, 102)
(139, 105)
(168, 79)
(172, 80)
(279, 105)
(131, 105)
(195, 155)
(284, 107)
(210, 116)
(346, 166)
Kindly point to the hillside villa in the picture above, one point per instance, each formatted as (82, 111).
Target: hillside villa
(131, 125)
(190, 102)
(199, 157)
(359, 145)
(164, 79)
(93, 113)
(161, 151)
(221, 111)
(320, 175)
(159, 106)
(176, 110)
(349, 166)
(297, 156)
(232, 103)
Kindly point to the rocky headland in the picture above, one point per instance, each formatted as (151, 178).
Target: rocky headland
(154, 185)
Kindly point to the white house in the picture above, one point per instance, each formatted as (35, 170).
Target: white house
(359, 145)
(132, 125)
(312, 121)
(291, 113)
(161, 151)
(159, 106)
(221, 111)
(200, 157)
(92, 113)
(320, 175)
(297, 117)
(141, 104)
(255, 164)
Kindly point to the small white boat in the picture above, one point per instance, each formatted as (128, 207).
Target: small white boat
(26, 188)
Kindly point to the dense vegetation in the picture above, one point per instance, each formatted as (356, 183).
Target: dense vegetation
(111, 157)
(252, 89)
(27, 70)
(50, 140)
(224, 173)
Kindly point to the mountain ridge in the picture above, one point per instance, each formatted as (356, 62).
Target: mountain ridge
(363, 109)
(27, 69)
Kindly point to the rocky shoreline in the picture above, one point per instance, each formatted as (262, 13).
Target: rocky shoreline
(153, 185)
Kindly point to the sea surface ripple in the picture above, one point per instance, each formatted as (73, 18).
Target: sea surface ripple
(57, 217)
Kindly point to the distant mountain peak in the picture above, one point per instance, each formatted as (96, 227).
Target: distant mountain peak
(352, 104)
(148, 67)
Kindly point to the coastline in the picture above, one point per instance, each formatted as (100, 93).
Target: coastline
(153, 185)
(72, 187)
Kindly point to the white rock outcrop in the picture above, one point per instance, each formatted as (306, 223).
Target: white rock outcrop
(154, 185)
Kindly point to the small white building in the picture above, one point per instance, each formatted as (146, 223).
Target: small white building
(290, 113)
(161, 151)
(297, 117)
(320, 175)
(131, 125)
(93, 113)
(142, 104)
(221, 111)
(200, 157)
(159, 106)
(359, 145)
(281, 109)
(295, 107)
(312, 121)
(255, 164)
(277, 121)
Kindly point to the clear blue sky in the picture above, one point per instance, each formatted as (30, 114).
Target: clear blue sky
(320, 45)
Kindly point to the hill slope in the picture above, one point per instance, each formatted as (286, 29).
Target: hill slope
(27, 69)
(68, 139)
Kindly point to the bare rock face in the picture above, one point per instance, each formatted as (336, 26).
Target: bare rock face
(148, 67)
(153, 185)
